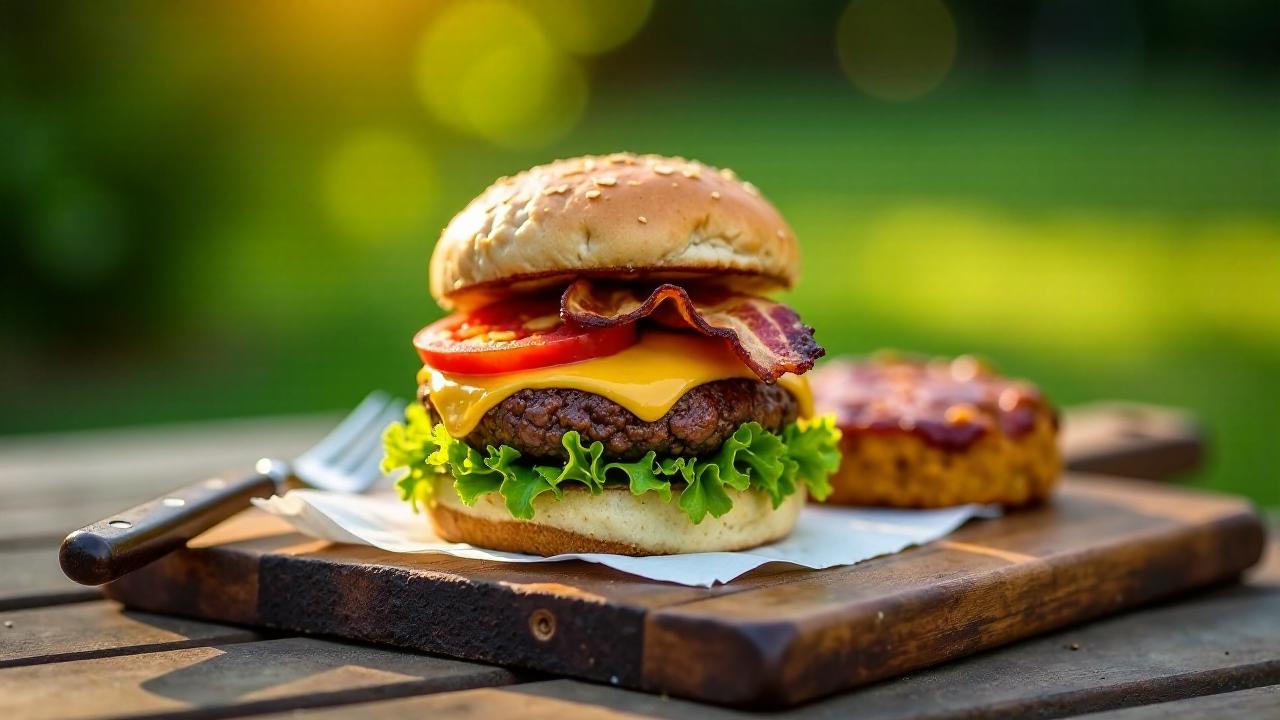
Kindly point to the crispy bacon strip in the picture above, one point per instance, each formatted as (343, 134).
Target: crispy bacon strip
(768, 336)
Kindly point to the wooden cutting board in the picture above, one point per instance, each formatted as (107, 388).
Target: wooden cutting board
(775, 637)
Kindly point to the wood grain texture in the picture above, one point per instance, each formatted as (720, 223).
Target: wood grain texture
(1206, 643)
(253, 570)
(101, 629)
(1102, 546)
(775, 638)
(1131, 440)
(245, 678)
(31, 578)
(1263, 702)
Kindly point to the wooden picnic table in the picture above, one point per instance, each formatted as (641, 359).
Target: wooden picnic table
(65, 652)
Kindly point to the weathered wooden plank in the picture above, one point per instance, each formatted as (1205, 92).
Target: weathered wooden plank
(1131, 440)
(1211, 642)
(252, 570)
(101, 629)
(1103, 545)
(1226, 639)
(243, 678)
(1263, 702)
(30, 525)
(528, 702)
(30, 577)
(55, 483)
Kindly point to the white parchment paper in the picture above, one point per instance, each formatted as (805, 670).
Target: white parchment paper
(824, 537)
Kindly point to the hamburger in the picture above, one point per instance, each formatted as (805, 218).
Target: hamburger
(611, 377)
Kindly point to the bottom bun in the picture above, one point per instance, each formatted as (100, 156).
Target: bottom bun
(614, 521)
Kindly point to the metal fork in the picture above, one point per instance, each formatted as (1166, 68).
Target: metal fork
(346, 460)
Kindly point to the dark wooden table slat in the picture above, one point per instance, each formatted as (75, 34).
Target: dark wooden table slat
(30, 577)
(1261, 703)
(101, 629)
(54, 483)
(237, 679)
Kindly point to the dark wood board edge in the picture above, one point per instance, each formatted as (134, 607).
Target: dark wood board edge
(193, 583)
(437, 612)
(779, 663)
(552, 632)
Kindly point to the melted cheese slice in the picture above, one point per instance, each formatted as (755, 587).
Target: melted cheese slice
(646, 378)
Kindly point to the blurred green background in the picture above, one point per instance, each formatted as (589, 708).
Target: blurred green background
(213, 209)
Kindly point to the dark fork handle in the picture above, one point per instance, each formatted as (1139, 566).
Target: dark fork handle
(124, 542)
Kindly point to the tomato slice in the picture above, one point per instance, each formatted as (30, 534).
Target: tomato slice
(514, 335)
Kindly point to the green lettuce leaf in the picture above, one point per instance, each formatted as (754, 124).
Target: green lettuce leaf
(752, 459)
(704, 490)
(408, 446)
(642, 476)
(813, 447)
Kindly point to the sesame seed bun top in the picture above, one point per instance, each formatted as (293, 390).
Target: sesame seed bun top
(638, 216)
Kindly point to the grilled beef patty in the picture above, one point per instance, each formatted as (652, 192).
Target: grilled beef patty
(533, 421)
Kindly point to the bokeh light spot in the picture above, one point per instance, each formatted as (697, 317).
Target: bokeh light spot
(487, 69)
(378, 184)
(589, 27)
(896, 50)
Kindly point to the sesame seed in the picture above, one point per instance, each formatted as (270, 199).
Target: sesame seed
(589, 165)
(643, 219)
(592, 194)
(663, 169)
(715, 194)
(751, 189)
(633, 183)
(782, 233)
(691, 173)
(606, 181)
(728, 174)
(557, 190)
